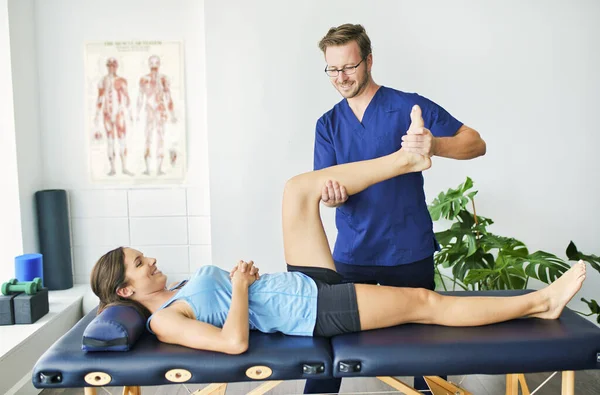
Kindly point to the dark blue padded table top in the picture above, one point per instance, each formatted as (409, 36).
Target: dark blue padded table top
(518, 346)
(149, 360)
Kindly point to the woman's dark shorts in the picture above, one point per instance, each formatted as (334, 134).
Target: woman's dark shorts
(337, 308)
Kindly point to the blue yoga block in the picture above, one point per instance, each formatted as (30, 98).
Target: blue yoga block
(28, 267)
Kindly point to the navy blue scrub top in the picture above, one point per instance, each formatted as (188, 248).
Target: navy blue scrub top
(388, 223)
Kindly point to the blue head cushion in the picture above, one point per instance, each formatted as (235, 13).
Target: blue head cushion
(117, 328)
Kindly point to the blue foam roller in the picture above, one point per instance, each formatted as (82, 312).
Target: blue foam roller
(28, 267)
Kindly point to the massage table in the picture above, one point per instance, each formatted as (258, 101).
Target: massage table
(511, 348)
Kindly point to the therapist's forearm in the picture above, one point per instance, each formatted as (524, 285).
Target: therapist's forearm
(464, 145)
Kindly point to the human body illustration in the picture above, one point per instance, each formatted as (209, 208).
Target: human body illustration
(113, 104)
(155, 98)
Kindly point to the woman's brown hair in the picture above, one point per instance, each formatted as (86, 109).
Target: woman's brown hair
(108, 275)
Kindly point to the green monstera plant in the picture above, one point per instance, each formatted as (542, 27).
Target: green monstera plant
(481, 260)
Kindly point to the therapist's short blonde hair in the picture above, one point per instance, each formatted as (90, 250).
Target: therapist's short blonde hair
(344, 34)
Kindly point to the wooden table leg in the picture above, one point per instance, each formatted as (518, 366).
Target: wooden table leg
(523, 383)
(137, 390)
(568, 383)
(438, 385)
(399, 385)
(512, 384)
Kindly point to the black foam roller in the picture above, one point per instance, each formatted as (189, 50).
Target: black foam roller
(54, 236)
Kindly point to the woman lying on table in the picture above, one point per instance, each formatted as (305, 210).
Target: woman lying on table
(216, 309)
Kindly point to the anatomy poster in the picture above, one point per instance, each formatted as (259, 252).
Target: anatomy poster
(135, 111)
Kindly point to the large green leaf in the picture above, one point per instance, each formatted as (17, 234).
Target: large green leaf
(489, 279)
(544, 266)
(480, 275)
(482, 223)
(451, 258)
(449, 204)
(508, 245)
(506, 261)
(574, 255)
(447, 236)
(462, 267)
(459, 270)
(511, 273)
(466, 218)
(463, 270)
(471, 243)
(488, 260)
(465, 186)
(517, 277)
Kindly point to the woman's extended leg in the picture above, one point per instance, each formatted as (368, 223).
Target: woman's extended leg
(304, 239)
(380, 307)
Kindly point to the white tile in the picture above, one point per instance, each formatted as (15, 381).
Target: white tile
(201, 256)
(159, 231)
(169, 259)
(98, 203)
(85, 257)
(110, 232)
(199, 230)
(157, 202)
(198, 201)
(81, 279)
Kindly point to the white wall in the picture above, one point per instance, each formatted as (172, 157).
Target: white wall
(11, 243)
(169, 222)
(524, 74)
(26, 93)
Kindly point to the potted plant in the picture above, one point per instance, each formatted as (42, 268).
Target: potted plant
(481, 260)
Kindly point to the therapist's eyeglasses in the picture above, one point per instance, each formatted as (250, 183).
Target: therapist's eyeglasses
(349, 70)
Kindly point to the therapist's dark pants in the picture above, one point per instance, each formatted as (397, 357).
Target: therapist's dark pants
(419, 274)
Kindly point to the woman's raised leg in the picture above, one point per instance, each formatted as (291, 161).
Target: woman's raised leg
(304, 239)
(381, 307)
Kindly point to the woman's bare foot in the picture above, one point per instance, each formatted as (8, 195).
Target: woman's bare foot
(561, 291)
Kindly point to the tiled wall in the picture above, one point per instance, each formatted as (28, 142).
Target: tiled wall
(170, 224)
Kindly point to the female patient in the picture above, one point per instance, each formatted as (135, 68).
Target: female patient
(215, 309)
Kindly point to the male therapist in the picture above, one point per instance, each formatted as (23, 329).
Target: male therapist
(385, 233)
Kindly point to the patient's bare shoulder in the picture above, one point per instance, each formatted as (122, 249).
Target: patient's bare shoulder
(182, 307)
(165, 321)
(177, 324)
(179, 308)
